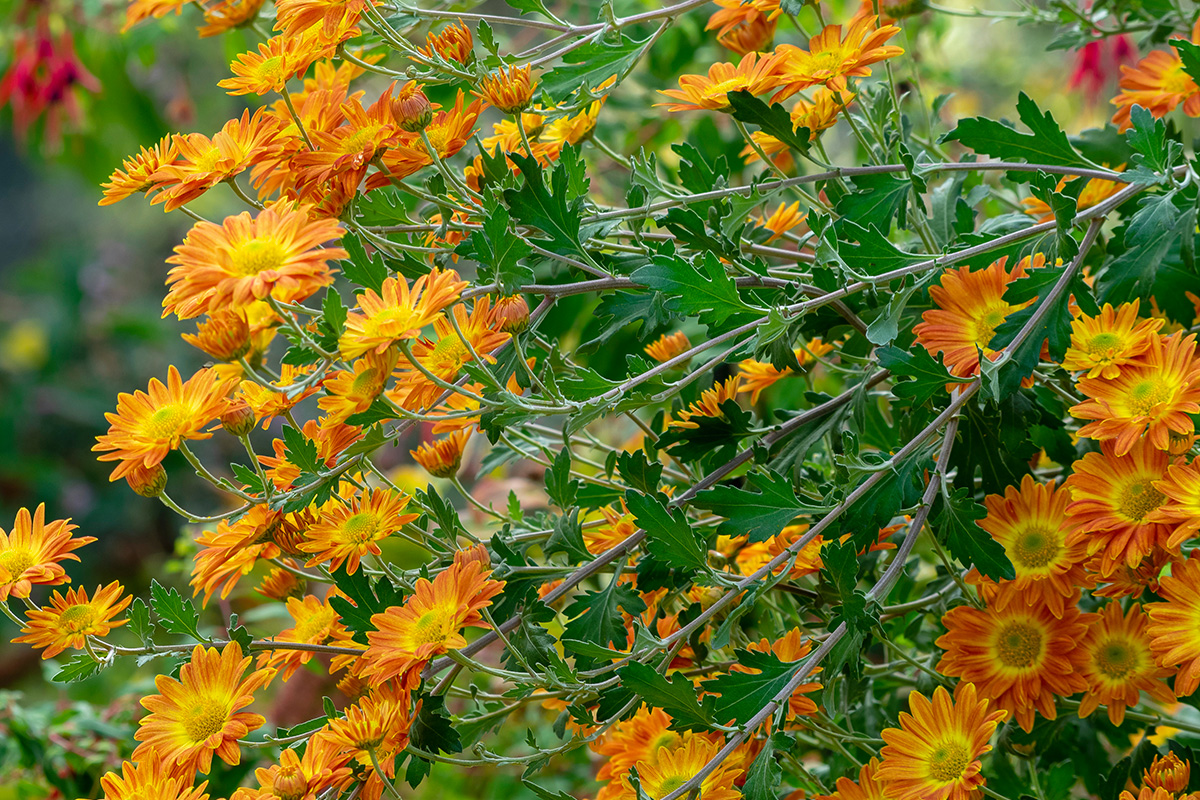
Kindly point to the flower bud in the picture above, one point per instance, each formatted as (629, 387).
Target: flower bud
(147, 481)
(509, 90)
(512, 314)
(1168, 772)
(225, 335)
(454, 43)
(411, 108)
(442, 458)
(238, 419)
(1179, 444)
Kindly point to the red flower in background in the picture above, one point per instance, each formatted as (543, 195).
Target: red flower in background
(44, 78)
(1098, 64)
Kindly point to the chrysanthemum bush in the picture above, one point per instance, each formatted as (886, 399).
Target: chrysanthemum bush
(861, 480)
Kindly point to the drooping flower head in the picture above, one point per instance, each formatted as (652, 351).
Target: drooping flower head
(934, 754)
(755, 73)
(148, 425)
(135, 173)
(279, 254)
(1152, 397)
(1103, 344)
(667, 346)
(1118, 664)
(441, 458)
(429, 623)
(1114, 500)
(200, 714)
(1046, 551)
(70, 619)
(30, 553)
(375, 729)
(970, 305)
(1018, 656)
(710, 402)
(759, 375)
(345, 534)
(400, 313)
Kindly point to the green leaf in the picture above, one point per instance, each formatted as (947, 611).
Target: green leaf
(865, 251)
(591, 65)
(744, 694)
(362, 269)
(638, 472)
(544, 793)
(1155, 154)
(596, 616)
(363, 602)
(561, 487)
(929, 378)
(81, 667)
(669, 537)
(713, 438)
(550, 210)
(1189, 53)
(773, 120)
(643, 314)
(499, 252)
(1045, 144)
(699, 287)
(301, 450)
(139, 621)
(993, 440)
(760, 511)
(1157, 226)
(567, 537)
(877, 201)
(956, 525)
(431, 727)
(175, 614)
(765, 775)
(677, 697)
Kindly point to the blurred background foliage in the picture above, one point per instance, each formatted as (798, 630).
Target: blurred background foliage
(81, 288)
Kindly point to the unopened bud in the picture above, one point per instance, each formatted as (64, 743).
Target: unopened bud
(147, 481)
(411, 108)
(238, 419)
(512, 314)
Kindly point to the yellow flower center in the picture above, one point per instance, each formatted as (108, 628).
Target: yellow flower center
(948, 761)
(77, 618)
(1104, 346)
(360, 140)
(1019, 645)
(16, 562)
(1138, 500)
(1115, 659)
(450, 352)
(167, 422)
(271, 69)
(670, 784)
(361, 528)
(205, 718)
(430, 628)
(984, 327)
(1176, 81)
(825, 63)
(207, 162)
(664, 739)
(722, 88)
(1035, 547)
(366, 383)
(315, 626)
(1147, 394)
(256, 256)
(439, 137)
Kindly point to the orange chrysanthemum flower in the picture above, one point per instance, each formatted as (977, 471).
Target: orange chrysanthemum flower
(1157, 83)
(347, 151)
(441, 458)
(315, 623)
(759, 375)
(1168, 772)
(453, 43)
(299, 777)
(509, 90)
(970, 306)
(374, 729)
(400, 313)
(294, 17)
(139, 10)
(201, 713)
(151, 779)
(1045, 549)
(147, 426)
(1103, 344)
(752, 36)
(278, 59)
(819, 115)
(351, 392)
(1130, 581)
(282, 584)
(135, 174)
(204, 162)
(667, 346)
(640, 738)
(1094, 191)
(1180, 507)
(225, 15)
(429, 623)
(788, 648)
(234, 548)
(934, 754)
(70, 619)
(755, 73)
(278, 397)
(832, 57)
(1175, 625)
(446, 356)
(710, 402)
(278, 254)
(1154, 396)
(347, 533)
(618, 526)
(1118, 665)
(869, 786)
(225, 335)
(733, 13)
(782, 220)
(1113, 500)
(1019, 656)
(30, 553)
(677, 766)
